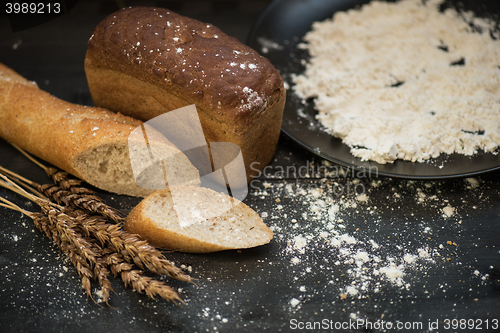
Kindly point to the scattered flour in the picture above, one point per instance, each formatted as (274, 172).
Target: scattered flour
(294, 302)
(405, 81)
(268, 45)
(448, 211)
(299, 242)
(369, 264)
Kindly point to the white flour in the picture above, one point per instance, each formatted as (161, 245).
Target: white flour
(387, 82)
(337, 238)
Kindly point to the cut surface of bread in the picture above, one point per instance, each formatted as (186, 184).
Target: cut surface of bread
(197, 220)
(89, 142)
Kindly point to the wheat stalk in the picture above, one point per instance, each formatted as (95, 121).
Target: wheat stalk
(130, 277)
(82, 198)
(14, 177)
(138, 251)
(86, 240)
(139, 282)
(133, 249)
(83, 252)
(86, 248)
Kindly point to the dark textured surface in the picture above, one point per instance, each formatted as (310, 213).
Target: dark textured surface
(254, 290)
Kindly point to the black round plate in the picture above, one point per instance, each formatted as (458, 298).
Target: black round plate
(276, 34)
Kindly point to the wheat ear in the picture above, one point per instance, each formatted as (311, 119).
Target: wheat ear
(62, 230)
(62, 225)
(139, 282)
(133, 249)
(138, 251)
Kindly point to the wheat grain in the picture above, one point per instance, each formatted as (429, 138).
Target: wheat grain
(135, 279)
(82, 198)
(133, 249)
(76, 243)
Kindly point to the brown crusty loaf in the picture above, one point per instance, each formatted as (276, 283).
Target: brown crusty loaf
(145, 61)
(216, 222)
(90, 143)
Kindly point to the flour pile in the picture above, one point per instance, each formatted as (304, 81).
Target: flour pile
(405, 81)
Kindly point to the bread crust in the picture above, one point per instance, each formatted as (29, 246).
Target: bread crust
(70, 136)
(145, 61)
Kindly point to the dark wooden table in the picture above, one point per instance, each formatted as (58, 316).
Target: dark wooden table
(351, 252)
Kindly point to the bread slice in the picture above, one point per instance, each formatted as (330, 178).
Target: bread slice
(91, 143)
(146, 61)
(198, 220)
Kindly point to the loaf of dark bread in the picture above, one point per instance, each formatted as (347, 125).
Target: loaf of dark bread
(145, 61)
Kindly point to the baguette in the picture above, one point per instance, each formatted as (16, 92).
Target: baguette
(197, 220)
(88, 142)
(145, 61)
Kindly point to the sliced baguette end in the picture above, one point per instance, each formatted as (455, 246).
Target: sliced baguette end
(156, 220)
(108, 167)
